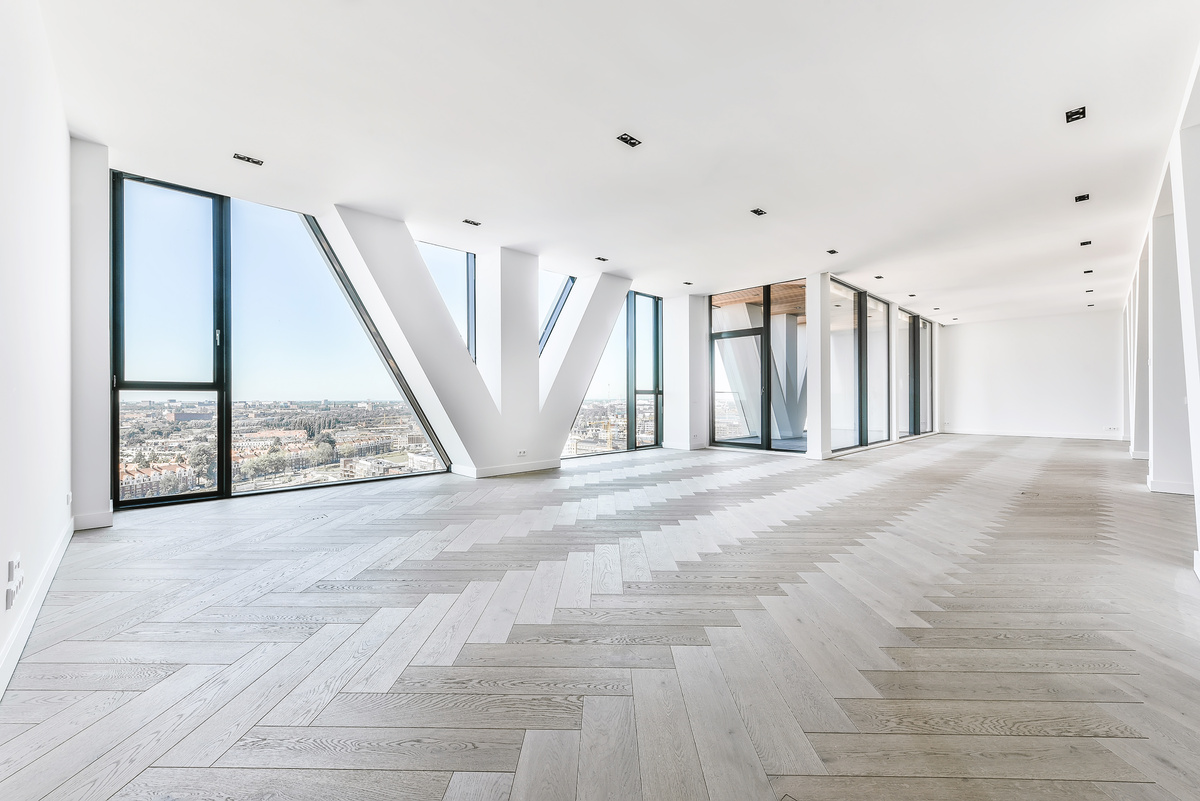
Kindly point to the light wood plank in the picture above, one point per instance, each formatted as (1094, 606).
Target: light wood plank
(547, 770)
(609, 769)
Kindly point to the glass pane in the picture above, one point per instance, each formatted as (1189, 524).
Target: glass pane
(737, 390)
(646, 420)
(789, 367)
(645, 322)
(843, 366)
(926, 361)
(603, 421)
(550, 289)
(877, 370)
(312, 400)
(904, 374)
(167, 444)
(733, 311)
(449, 270)
(168, 284)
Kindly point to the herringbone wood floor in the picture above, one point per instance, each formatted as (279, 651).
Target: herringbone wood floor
(953, 618)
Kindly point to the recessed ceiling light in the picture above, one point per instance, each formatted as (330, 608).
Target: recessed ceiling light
(837, 305)
(912, 296)
(472, 222)
(1091, 305)
(937, 308)
(601, 258)
(1077, 114)
(757, 212)
(1087, 272)
(1089, 290)
(831, 252)
(1083, 197)
(879, 276)
(1085, 243)
(687, 283)
(248, 159)
(629, 140)
(955, 318)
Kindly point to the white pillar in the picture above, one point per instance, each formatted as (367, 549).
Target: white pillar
(1139, 391)
(91, 369)
(686, 394)
(1170, 450)
(1185, 201)
(817, 309)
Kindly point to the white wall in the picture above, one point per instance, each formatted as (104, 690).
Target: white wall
(35, 323)
(1056, 376)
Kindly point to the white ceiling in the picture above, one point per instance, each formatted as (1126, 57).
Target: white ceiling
(924, 140)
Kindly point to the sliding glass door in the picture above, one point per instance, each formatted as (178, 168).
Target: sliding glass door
(759, 344)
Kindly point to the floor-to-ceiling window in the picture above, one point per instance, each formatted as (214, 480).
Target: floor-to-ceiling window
(906, 329)
(759, 351)
(845, 353)
(877, 388)
(925, 360)
(242, 358)
(737, 369)
(788, 336)
(627, 385)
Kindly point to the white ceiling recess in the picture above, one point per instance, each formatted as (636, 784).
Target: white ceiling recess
(925, 141)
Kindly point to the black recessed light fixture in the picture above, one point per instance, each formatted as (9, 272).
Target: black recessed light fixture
(248, 159)
(1088, 272)
(937, 308)
(831, 252)
(1085, 243)
(601, 258)
(955, 318)
(912, 296)
(472, 222)
(1076, 114)
(629, 140)
(1091, 305)
(757, 212)
(687, 283)
(1089, 290)
(878, 277)
(1083, 197)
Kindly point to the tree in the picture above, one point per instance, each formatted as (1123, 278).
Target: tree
(202, 458)
(169, 484)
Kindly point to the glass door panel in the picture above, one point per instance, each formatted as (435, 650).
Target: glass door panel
(904, 374)
(843, 367)
(789, 367)
(926, 361)
(166, 444)
(877, 370)
(646, 430)
(737, 390)
(168, 284)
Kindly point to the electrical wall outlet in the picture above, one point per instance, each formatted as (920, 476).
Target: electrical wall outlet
(16, 580)
(521, 452)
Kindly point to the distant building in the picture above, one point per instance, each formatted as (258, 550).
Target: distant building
(184, 417)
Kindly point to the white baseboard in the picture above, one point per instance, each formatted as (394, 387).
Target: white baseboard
(1142, 455)
(1196, 563)
(470, 471)
(1172, 487)
(1102, 435)
(32, 600)
(684, 446)
(94, 520)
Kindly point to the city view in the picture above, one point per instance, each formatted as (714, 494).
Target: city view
(602, 426)
(168, 446)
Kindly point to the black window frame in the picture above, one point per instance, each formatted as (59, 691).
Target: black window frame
(222, 352)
